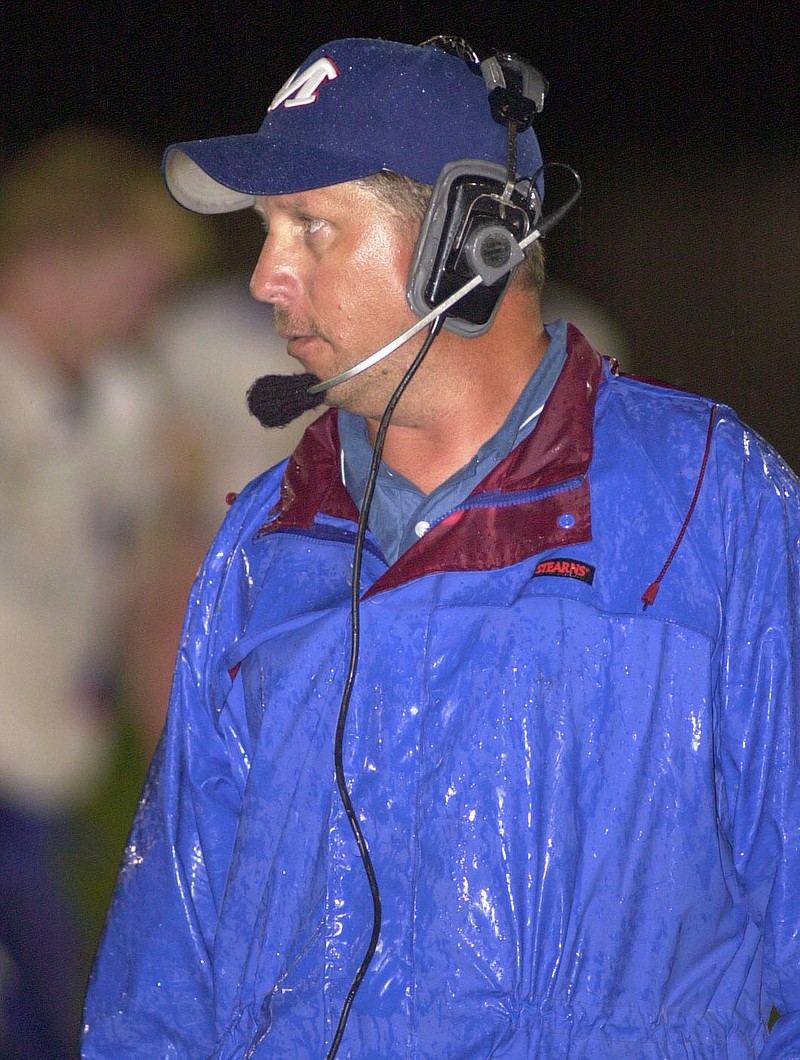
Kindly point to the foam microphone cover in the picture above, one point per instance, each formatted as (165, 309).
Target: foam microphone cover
(276, 400)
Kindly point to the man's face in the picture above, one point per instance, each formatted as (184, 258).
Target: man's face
(334, 267)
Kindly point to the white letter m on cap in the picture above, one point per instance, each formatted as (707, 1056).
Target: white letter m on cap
(303, 88)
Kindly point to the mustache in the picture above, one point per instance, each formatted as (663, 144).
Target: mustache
(288, 325)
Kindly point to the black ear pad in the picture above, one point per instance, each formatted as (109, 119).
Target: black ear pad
(468, 230)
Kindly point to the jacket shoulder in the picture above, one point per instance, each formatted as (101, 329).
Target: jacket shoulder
(671, 423)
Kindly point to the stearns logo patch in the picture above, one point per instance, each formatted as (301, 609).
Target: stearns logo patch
(565, 568)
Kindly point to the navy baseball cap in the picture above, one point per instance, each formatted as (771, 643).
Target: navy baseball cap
(353, 108)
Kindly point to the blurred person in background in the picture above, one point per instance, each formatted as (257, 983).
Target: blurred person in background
(89, 244)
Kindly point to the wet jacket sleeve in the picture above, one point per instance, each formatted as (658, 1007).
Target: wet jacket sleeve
(758, 765)
(150, 993)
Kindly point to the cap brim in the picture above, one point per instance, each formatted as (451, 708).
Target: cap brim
(227, 173)
(195, 189)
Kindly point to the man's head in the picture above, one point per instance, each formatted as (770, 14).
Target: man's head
(346, 158)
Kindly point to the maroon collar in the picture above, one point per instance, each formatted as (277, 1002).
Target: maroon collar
(561, 446)
(557, 453)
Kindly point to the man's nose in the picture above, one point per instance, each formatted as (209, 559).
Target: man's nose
(273, 279)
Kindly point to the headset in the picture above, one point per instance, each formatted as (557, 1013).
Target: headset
(479, 211)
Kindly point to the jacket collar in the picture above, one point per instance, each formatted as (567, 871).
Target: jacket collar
(556, 454)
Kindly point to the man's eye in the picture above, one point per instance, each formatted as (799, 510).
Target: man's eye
(313, 225)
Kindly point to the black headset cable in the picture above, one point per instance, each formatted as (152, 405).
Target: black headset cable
(355, 629)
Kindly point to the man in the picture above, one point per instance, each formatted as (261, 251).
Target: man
(561, 711)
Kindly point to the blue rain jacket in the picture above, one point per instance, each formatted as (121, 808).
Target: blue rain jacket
(583, 811)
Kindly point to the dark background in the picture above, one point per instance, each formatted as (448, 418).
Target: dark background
(682, 119)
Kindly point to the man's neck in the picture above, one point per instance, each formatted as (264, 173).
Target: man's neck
(473, 402)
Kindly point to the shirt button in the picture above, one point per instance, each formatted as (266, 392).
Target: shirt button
(422, 528)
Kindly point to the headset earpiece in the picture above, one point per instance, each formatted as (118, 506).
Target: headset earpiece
(479, 211)
(468, 229)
